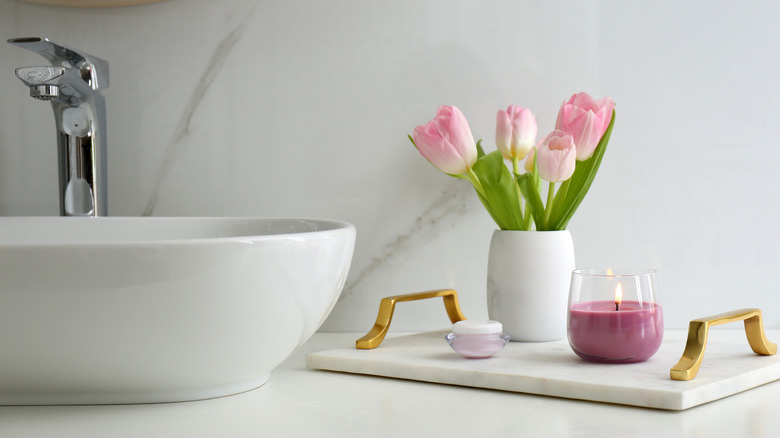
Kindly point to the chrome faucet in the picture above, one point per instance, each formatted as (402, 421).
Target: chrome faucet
(73, 85)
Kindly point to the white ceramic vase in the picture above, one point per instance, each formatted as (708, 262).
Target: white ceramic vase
(528, 283)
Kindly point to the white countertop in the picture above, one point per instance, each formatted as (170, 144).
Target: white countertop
(301, 402)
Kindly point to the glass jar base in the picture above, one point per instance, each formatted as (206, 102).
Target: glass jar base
(600, 359)
(480, 346)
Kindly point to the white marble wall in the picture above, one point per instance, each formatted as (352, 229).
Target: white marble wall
(301, 108)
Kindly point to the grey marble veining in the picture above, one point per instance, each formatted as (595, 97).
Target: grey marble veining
(178, 143)
(452, 202)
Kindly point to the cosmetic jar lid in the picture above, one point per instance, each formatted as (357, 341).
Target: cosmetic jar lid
(477, 327)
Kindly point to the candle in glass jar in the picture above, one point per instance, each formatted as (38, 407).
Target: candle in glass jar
(614, 315)
(600, 333)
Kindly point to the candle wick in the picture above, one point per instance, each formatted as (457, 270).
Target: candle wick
(617, 307)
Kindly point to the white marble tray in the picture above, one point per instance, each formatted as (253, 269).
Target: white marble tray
(552, 369)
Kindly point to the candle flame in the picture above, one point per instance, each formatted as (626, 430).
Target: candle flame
(610, 273)
(618, 294)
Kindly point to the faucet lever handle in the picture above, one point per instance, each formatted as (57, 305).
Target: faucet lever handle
(93, 70)
(39, 75)
(44, 82)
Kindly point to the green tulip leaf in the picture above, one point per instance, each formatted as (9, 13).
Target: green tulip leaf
(486, 204)
(573, 190)
(501, 196)
(532, 197)
(480, 151)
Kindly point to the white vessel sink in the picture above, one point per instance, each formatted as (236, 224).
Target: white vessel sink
(139, 310)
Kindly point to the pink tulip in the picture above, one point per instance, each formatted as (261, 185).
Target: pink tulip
(529, 160)
(446, 141)
(586, 120)
(556, 157)
(515, 132)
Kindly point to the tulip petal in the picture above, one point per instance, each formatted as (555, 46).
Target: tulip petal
(586, 120)
(504, 133)
(446, 141)
(516, 131)
(556, 157)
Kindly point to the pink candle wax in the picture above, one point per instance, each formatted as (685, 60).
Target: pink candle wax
(599, 333)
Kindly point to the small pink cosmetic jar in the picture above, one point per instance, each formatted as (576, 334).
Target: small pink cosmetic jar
(477, 339)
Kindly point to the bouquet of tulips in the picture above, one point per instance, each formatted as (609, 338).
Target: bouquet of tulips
(569, 155)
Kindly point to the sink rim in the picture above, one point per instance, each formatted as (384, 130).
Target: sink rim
(161, 321)
(322, 227)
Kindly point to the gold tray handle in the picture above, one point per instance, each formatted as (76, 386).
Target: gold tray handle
(688, 366)
(377, 334)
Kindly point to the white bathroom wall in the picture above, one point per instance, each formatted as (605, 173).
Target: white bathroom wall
(301, 108)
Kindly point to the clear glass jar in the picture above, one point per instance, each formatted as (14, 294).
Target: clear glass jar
(615, 315)
(477, 339)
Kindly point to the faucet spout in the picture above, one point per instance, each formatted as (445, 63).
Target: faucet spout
(93, 70)
(72, 84)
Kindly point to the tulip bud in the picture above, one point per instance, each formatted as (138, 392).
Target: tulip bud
(556, 157)
(447, 142)
(515, 132)
(586, 120)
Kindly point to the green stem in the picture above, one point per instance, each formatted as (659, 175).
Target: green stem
(528, 217)
(523, 218)
(560, 199)
(536, 180)
(475, 181)
(548, 206)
